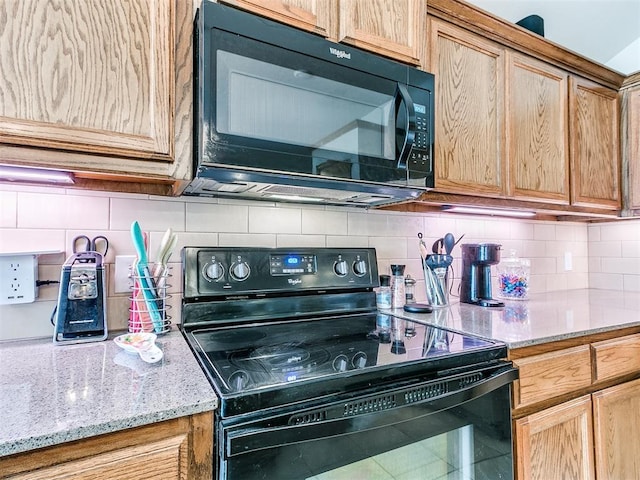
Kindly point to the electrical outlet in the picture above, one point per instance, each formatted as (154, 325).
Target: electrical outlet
(568, 261)
(18, 274)
(122, 276)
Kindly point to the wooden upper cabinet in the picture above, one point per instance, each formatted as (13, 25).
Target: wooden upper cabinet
(595, 158)
(537, 130)
(394, 28)
(556, 443)
(469, 126)
(631, 136)
(617, 431)
(88, 76)
(311, 15)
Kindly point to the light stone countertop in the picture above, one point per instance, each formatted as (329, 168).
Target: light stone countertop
(52, 394)
(545, 317)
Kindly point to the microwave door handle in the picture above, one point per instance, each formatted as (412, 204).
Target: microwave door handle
(402, 97)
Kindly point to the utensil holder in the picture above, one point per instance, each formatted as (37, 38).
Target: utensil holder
(140, 317)
(436, 279)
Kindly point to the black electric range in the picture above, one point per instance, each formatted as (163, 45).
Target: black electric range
(278, 328)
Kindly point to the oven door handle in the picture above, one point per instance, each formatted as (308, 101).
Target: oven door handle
(246, 439)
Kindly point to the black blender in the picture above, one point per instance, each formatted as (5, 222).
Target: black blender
(475, 285)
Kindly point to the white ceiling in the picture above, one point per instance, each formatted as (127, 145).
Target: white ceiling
(607, 31)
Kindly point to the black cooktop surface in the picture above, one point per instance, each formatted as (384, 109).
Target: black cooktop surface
(260, 366)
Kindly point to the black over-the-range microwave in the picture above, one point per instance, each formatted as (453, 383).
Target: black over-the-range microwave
(285, 115)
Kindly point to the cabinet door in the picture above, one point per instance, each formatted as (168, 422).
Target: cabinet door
(394, 28)
(91, 77)
(537, 130)
(178, 448)
(594, 131)
(632, 138)
(616, 413)
(556, 442)
(313, 15)
(469, 139)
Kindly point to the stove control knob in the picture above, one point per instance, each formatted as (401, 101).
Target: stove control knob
(340, 363)
(240, 271)
(340, 268)
(359, 360)
(360, 268)
(213, 271)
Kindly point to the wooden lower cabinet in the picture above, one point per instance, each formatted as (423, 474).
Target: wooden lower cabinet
(556, 443)
(174, 449)
(616, 413)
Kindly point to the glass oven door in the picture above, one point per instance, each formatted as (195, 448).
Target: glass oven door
(453, 428)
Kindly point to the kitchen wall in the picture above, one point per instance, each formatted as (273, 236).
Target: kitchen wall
(46, 219)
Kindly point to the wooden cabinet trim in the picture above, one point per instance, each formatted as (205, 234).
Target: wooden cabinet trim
(314, 17)
(590, 168)
(543, 173)
(520, 39)
(616, 416)
(191, 436)
(616, 357)
(571, 420)
(552, 374)
(456, 156)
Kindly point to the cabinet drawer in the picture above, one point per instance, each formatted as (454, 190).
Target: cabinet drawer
(552, 374)
(616, 357)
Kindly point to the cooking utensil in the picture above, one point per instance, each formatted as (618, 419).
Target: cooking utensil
(449, 242)
(437, 246)
(147, 284)
(167, 244)
(422, 247)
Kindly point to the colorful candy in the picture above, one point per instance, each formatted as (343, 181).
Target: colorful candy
(513, 285)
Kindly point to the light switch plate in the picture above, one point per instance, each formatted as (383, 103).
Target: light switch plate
(122, 276)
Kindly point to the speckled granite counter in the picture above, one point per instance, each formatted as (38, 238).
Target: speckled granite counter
(545, 317)
(52, 394)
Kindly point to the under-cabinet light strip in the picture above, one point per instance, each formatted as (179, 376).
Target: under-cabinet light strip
(488, 211)
(39, 175)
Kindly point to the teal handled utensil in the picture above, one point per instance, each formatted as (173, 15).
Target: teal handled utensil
(146, 280)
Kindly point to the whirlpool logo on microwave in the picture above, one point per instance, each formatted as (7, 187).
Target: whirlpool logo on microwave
(339, 53)
(294, 281)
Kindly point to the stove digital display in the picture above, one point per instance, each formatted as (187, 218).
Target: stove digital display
(293, 264)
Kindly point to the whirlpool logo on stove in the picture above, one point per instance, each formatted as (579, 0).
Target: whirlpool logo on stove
(294, 281)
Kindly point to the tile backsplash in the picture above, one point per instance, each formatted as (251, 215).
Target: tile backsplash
(47, 219)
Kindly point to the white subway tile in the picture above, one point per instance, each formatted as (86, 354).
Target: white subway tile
(631, 283)
(45, 211)
(557, 282)
(247, 240)
(324, 222)
(631, 248)
(387, 225)
(388, 247)
(605, 249)
(14, 326)
(347, 241)
(206, 217)
(520, 230)
(300, 241)
(28, 240)
(274, 220)
(609, 281)
(544, 231)
(594, 232)
(155, 215)
(8, 209)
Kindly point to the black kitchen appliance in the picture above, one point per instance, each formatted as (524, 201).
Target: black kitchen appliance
(282, 114)
(312, 378)
(80, 314)
(475, 282)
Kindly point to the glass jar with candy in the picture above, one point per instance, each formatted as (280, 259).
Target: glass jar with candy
(513, 277)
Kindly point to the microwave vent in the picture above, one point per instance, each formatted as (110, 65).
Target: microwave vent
(307, 192)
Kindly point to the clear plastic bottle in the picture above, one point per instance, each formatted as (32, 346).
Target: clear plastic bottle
(398, 299)
(513, 277)
(383, 294)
